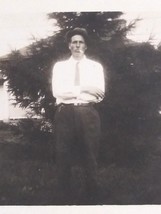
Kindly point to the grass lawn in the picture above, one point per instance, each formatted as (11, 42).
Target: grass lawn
(28, 175)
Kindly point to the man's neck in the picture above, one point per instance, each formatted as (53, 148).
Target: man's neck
(78, 58)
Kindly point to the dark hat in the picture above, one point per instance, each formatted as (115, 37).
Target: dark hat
(77, 31)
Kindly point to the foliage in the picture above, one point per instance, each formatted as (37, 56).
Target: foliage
(29, 76)
(130, 110)
(4, 126)
(35, 130)
(130, 114)
(136, 73)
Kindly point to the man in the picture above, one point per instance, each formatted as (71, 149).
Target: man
(77, 83)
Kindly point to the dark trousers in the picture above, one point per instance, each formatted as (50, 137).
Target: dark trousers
(77, 127)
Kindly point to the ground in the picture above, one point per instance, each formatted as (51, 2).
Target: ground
(28, 175)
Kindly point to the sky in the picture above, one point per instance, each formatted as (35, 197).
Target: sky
(148, 28)
(18, 29)
(20, 20)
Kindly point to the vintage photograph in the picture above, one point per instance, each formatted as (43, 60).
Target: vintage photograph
(80, 108)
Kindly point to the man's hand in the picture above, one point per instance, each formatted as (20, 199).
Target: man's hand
(98, 93)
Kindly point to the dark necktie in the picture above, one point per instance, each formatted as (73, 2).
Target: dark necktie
(77, 75)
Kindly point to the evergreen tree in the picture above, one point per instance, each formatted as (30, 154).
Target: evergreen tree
(130, 110)
(29, 76)
(132, 113)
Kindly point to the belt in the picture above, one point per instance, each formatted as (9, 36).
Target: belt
(75, 104)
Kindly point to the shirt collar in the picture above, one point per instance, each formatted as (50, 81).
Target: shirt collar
(73, 60)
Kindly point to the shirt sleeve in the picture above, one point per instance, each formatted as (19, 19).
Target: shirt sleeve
(60, 88)
(93, 82)
(99, 79)
(54, 79)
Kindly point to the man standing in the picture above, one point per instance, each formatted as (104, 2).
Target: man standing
(77, 84)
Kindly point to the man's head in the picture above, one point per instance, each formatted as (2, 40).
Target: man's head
(77, 42)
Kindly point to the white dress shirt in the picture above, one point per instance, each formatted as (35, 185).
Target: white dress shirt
(64, 90)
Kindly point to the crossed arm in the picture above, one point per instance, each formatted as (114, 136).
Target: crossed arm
(98, 93)
(67, 92)
(94, 91)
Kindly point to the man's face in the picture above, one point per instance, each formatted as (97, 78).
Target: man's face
(77, 46)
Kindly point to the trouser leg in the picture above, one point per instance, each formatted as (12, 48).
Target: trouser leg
(90, 141)
(83, 122)
(64, 138)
